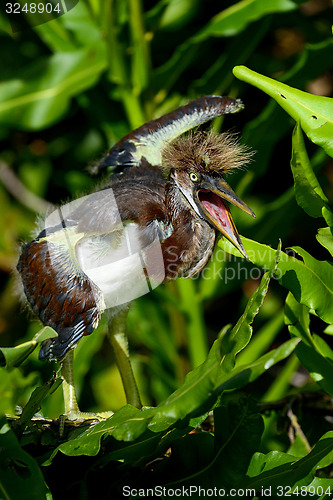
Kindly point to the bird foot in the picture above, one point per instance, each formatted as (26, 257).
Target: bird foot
(83, 416)
(77, 417)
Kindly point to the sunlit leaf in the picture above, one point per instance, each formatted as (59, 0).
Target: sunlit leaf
(325, 238)
(315, 113)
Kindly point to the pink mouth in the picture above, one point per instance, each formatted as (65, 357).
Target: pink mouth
(216, 209)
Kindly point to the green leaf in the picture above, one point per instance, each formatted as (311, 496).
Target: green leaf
(261, 341)
(140, 56)
(235, 18)
(325, 238)
(195, 453)
(20, 476)
(277, 469)
(42, 94)
(310, 280)
(36, 399)
(228, 22)
(14, 356)
(238, 430)
(205, 383)
(238, 338)
(126, 424)
(315, 113)
(195, 397)
(308, 192)
(321, 484)
(208, 378)
(313, 352)
(15, 388)
(297, 318)
(196, 330)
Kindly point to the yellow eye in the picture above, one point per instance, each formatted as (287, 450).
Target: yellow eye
(194, 177)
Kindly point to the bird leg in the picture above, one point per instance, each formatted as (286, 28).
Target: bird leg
(118, 339)
(119, 342)
(71, 406)
(72, 411)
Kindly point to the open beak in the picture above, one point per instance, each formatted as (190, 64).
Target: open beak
(210, 197)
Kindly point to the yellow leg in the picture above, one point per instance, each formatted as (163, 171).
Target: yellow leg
(119, 342)
(71, 406)
(72, 411)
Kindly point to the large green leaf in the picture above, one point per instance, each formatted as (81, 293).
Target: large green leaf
(129, 423)
(42, 93)
(198, 393)
(277, 470)
(309, 280)
(315, 113)
(20, 476)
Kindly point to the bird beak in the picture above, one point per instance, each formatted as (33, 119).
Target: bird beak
(210, 196)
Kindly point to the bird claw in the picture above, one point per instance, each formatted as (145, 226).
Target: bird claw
(77, 418)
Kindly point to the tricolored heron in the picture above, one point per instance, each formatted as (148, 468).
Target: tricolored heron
(155, 220)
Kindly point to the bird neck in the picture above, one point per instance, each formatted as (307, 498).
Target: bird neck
(178, 210)
(189, 247)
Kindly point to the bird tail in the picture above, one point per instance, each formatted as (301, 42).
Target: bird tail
(62, 298)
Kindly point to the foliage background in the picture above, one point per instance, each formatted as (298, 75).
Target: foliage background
(72, 87)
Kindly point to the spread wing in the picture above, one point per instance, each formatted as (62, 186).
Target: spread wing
(149, 140)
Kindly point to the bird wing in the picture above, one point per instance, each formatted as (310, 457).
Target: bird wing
(85, 260)
(117, 255)
(149, 140)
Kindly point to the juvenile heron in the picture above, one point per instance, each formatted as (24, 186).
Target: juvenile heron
(155, 220)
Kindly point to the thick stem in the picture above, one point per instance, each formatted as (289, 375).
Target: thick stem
(119, 342)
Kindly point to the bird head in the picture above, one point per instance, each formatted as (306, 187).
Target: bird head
(197, 165)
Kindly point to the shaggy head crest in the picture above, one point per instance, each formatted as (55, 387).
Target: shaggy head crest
(206, 152)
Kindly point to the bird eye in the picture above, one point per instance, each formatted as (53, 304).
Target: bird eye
(194, 177)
